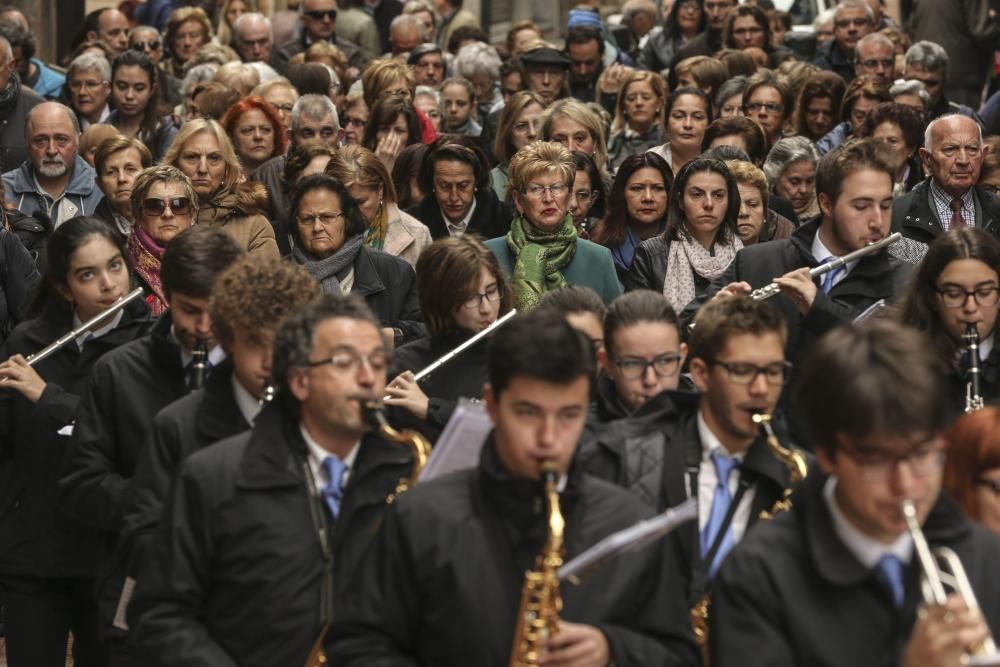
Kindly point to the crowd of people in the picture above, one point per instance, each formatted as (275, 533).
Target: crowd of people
(681, 203)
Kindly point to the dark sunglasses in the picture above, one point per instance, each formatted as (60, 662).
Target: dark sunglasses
(318, 15)
(142, 46)
(156, 206)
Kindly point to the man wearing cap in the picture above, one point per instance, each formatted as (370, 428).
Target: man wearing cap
(427, 63)
(545, 72)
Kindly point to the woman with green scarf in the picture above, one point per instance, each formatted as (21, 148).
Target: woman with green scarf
(542, 252)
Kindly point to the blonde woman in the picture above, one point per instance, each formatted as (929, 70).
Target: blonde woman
(638, 124)
(188, 30)
(570, 123)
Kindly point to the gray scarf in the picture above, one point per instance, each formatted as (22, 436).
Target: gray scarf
(330, 271)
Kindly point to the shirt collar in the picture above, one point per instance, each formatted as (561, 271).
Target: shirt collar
(968, 200)
(248, 405)
(317, 453)
(867, 550)
(710, 444)
(456, 228)
(985, 347)
(98, 332)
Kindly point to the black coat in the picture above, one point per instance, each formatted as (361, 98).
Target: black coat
(831, 58)
(444, 583)
(874, 277)
(234, 573)
(491, 218)
(389, 286)
(127, 388)
(36, 537)
(649, 267)
(18, 277)
(185, 426)
(792, 594)
(915, 216)
(33, 233)
(13, 145)
(279, 201)
(385, 12)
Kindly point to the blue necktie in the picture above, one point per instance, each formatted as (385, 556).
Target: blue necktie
(890, 569)
(830, 279)
(721, 501)
(333, 492)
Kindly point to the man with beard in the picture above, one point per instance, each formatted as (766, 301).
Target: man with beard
(16, 101)
(54, 183)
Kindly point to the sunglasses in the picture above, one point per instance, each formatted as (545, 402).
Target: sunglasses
(152, 45)
(320, 14)
(156, 206)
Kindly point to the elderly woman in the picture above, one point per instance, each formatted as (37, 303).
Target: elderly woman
(571, 123)
(118, 161)
(256, 131)
(768, 101)
(637, 208)
(88, 80)
(688, 113)
(369, 182)
(192, 85)
(164, 204)
(282, 95)
(729, 97)
(542, 252)
(700, 240)
(901, 127)
(329, 230)
(638, 124)
(135, 91)
(188, 30)
(756, 222)
(204, 153)
(479, 64)
(518, 127)
(791, 170)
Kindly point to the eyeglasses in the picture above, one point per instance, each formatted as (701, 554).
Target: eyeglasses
(755, 107)
(157, 206)
(956, 297)
(283, 108)
(325, 219)
(847, 23)
(491, 295)
(320, 14)
(877, 466)
(872, 63)
(584, 196)
(776, 374)
(151, 45)
(537, 191)
(354, 122)
(992, 484)
(89, 85)
(349, 361)
(634, 368)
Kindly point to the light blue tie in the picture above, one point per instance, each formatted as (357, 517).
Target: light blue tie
(333, 492)
(890, 569)
(830, 279)
(721, 500)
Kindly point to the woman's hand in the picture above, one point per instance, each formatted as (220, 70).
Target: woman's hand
(406, 393)
(388, 148)
(17, 374)
(612, 77)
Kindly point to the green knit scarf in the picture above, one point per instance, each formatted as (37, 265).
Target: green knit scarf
(541, 257)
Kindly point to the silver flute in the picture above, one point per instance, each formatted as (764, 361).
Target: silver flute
(464, 346)
(773, 289)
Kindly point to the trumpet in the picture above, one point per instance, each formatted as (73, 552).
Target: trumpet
(942, 570)
(418, 444)
(773, 289)
(973, 395)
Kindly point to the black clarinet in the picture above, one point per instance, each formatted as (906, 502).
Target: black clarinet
(973, 395)
(199, 364)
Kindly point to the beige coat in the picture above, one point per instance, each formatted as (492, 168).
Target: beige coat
(240, 213)
(406, 237)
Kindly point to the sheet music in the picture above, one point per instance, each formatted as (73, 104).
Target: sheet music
(461, 441)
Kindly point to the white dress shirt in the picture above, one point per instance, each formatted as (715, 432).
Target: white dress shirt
(707, 480)
(458, 228)
(316, 456)
(248, 405)
(867, 550)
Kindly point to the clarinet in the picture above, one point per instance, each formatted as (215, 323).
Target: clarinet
(973, 395)
(199, 364)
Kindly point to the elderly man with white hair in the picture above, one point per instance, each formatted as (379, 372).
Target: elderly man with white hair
(253, 38)
(927, 62)
(952, 155)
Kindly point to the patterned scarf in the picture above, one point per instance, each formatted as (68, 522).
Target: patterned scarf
(541, 257)
(331, 270)
(377, 228)
(685, 258)
(146, 256)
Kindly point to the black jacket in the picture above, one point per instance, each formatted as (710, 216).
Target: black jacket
(18, 277)
(36, 537)
(792, 594)
(279, 201)
(33, 232)
(389, 287)
(13, 145)
(235, 570)
(127, 388)
(185, 426)
(649, 267)
(491, 218)
(831, 58)
(444, 582)
(874, 277)
(284, 53)
(915, 216)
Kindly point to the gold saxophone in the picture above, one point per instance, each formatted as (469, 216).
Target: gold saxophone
(541, 601)
(797, 470)
(418, 444)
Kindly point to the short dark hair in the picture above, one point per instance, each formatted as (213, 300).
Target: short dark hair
(720, 319)
(844, 160)
(466, 33)
(195, 258)
(449, 147)
(851, 384)
(582, 34)
(571, 299)
(354, 221)
(753, 135)
(539, 345)
(634, 307)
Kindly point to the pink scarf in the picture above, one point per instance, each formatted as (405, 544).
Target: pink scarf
(146, 256)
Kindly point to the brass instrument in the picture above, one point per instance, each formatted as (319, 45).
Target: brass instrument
(942, 568)
(541, 601)
(419, 447)
(973, 395)
(773, 290)
(317, 656)
(199, 364)
(797, 471)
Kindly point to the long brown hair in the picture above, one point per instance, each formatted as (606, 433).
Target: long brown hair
(973, 447)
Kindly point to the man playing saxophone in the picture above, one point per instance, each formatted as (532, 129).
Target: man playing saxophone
(836, 580)
(444, 583)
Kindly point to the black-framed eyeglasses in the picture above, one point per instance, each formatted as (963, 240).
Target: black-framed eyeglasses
(876, 466)
(157, 206)
(992, 484)
(755, 107)
(634, 368)
(320, 14)
(957, 297)
(151, 45)
(491, 295)
(353, 122)
(740, 372)
(349, 361)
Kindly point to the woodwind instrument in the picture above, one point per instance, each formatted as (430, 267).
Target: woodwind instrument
(441, 361)
(418, 444)
(973, 395)
(199, 364)
(835, 263)
(541, 600)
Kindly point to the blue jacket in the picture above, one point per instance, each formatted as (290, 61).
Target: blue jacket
(25, 196)
(49, 83)
(591, 267)
(840, 133)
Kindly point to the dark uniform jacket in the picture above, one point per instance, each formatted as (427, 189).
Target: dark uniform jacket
(127, 388)
(279, 201)
(915, 215)
(188, 424)
(234, 573)
(18, 277)
(389, 286)
(791, 593)
(36, 537)
(443, 585)
(491, 218)
(13, 145)
(649, 267)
